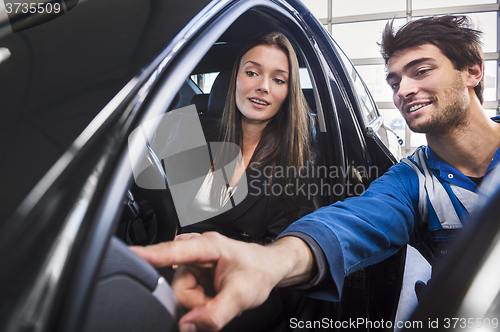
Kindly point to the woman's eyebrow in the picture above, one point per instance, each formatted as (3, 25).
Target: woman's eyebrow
(259, 65)
(253, 62)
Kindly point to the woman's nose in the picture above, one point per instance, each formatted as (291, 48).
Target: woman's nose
(263, 85)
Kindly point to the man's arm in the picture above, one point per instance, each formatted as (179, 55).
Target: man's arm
(351, 234)
(241, 274)
(360, 231)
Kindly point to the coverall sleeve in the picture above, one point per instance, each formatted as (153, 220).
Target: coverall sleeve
(364, 230)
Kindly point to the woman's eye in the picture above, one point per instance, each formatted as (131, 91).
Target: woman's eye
(279, 81)
(250, 73)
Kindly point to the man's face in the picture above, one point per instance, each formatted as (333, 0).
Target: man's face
(427, 89)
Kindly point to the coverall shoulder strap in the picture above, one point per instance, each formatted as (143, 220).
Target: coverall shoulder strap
(432, 191)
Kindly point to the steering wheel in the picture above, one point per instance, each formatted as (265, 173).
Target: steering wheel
(133, 293)
(160, 199)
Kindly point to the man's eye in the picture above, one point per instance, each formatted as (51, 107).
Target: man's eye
(394, 86)
(422, 72)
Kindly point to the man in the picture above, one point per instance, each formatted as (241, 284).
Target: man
(435, 68)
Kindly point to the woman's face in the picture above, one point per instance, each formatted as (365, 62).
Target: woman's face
(261, 83)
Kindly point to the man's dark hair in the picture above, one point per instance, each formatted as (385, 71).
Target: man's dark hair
(452, 34)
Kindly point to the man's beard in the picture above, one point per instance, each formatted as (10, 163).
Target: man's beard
(450, 118)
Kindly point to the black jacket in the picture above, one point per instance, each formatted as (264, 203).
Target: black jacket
(260, 217)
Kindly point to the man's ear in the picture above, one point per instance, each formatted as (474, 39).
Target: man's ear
(475, 74)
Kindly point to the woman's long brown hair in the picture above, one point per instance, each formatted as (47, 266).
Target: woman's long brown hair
(285, 140)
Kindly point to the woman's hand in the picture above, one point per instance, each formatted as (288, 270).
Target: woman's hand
(221, 277)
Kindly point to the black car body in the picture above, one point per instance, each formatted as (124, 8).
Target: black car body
(72, 91)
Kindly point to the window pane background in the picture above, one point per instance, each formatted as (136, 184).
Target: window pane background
(427, 4)
(394, 120)
(490, 80)
(350, 36)
(486, 22)
(374, 77)
(359, 41)
(359, 7)
(319, 8)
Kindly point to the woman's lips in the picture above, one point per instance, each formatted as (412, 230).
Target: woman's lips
(259, 101)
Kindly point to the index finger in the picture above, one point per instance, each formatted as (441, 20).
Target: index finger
(186, 236)
(197, 250)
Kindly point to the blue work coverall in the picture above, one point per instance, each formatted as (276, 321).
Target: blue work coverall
(360, 231)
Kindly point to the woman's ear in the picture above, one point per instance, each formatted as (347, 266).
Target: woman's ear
(475, 74)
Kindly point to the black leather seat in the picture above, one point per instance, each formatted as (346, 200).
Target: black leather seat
(218, 95)
(210, 107)
(201, 103)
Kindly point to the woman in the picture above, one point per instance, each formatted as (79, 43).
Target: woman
(267, 117)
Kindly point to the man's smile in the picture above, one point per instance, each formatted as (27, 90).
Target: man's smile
(417, 107)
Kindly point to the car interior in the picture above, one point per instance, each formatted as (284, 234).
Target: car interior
(149, 214)
(37, 133)
(209, 107)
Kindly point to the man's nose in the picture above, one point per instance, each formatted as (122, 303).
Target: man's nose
(407, 88)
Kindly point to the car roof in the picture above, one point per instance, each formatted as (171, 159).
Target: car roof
(223, 54)
(61, 74)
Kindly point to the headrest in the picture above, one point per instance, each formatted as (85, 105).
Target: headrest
(201, 103)
(309, 95)
(218, 94)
